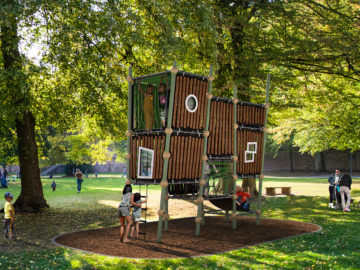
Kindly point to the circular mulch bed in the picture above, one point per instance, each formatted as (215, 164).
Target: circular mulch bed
(180, 241)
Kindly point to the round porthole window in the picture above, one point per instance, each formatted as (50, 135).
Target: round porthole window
(191, 103)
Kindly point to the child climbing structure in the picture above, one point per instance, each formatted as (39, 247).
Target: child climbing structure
(180, 136)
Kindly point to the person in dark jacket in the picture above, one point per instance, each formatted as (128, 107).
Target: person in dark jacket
(333, 181)
(345, 187)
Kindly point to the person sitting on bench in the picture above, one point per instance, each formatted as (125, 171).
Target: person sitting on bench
(242, 199)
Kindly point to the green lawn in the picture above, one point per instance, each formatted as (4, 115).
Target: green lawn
(337, 246)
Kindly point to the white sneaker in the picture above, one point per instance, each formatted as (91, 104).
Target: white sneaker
(331, 205)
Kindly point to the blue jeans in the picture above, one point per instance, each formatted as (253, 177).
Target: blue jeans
(78, 184)
(245, 206)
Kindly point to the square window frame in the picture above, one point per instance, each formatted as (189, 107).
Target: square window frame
(251, 143)
(252, 155)
(152, 163)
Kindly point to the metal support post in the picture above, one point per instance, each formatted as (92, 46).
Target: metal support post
(166, 155)
(200, 199)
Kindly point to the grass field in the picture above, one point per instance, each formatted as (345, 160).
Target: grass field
(337, 246)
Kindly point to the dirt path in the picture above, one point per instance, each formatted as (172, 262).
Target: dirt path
(180, 241)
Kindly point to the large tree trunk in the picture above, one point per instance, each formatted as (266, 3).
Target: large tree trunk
(31, 197)
(319, 160)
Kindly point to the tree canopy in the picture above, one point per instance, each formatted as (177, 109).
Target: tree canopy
(76, 83)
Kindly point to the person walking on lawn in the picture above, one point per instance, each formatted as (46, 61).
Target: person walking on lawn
(333, 181)
(79, 179)
(345, 187)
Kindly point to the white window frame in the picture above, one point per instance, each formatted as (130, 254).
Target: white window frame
(252, 156)
(196, 102)
(152, 163)
(248, 147)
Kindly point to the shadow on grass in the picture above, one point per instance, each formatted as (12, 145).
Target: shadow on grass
(336, 246)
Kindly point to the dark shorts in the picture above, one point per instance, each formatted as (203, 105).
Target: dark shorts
(124, 211)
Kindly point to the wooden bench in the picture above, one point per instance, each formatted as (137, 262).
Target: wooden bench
(271, 191)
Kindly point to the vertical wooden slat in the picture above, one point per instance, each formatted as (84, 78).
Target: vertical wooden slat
(177, 94)
(201, 144)
(205, 86)
(223, 127)
(189, 158)
(175, 157)
(187, 114)
(182, 102)
(194, 115)
(176, 100)
(157, 147)
(239, 118)
(201, 95)
(244, 147)
(193, 118)
(217, 128)
(197, 114)
(185, 157)
(214, 132)
(178, 157)
(171, 160)
(227, 129)
(210, 129)
(230, 114)
(195, 157)
(253, 120)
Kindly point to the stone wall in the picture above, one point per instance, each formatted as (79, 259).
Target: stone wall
(305, 162)
(302, 162)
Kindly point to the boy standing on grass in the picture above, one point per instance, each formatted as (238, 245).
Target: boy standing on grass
(53, 185)
(9, 216)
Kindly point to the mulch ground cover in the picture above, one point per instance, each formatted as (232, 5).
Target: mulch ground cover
(180, 241)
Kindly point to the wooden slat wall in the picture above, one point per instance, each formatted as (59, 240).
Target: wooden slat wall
(250, 115)
(184, 87)
(243, 137)
(156, 143)
(185, 161)
(221, 128)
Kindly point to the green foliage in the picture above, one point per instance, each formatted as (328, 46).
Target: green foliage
(310, 47)
(328, 117)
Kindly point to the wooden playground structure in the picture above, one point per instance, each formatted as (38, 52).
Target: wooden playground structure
(195, 145)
